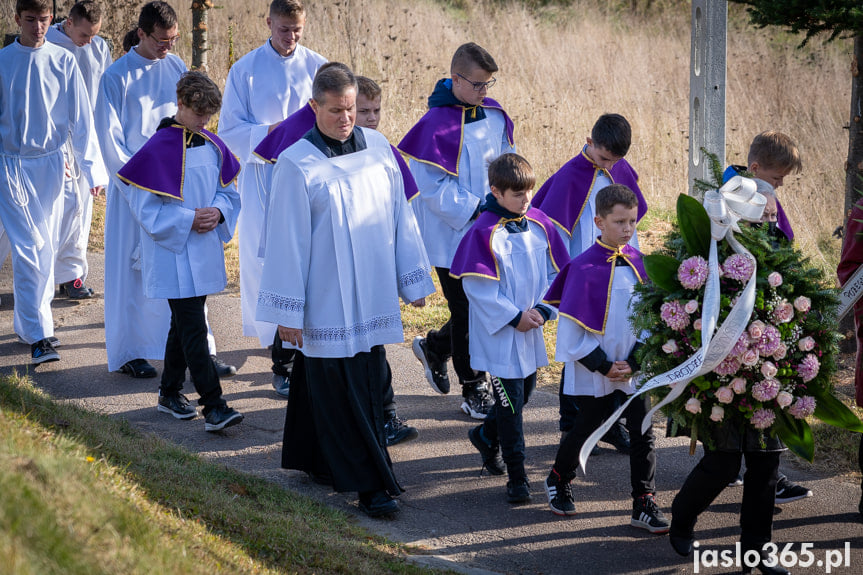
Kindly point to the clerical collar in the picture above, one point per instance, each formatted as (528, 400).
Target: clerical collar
(192, 139)
(331, 147)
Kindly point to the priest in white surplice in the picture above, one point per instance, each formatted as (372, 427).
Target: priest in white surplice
(263, 88)
(348, 247)
(43, 103)
(135, 93)
(78, 35)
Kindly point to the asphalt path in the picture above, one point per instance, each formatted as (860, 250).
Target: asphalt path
(455, 517)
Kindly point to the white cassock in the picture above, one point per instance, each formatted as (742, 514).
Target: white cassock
(262, 88)
(179, 262)
(71, 257)
(585, 232)
(348, 249)
(574, 342)
(526, 272)
(134, 95)
(446, 202)
(43, 103)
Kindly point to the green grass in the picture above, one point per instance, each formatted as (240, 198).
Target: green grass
(84, 493)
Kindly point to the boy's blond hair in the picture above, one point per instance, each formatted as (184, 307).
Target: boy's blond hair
(368, 87)
(287, 8)
(775, 150)
(196, 91)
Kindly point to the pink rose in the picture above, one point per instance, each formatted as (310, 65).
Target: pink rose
(781, 352)
(717, 413)
(693, 405)
(784, 312)
(806, 344)
(784, 399)
(802, 304)
(691, 306)
(774, 279)
(669, 346)
(768, 370)
(738, 385)
(756, 328)
(696, 325)
(725, 394)
(749, 357)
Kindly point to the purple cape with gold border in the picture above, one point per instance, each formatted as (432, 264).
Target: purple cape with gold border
(475, 256)
(159, 166)
(563, 196)
(295, 127)
(585, 296)
(437, 137)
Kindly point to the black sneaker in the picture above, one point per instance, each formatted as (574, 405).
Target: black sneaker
(518, 491)
(42, 351)
(138, 368)
(223, 370)
(560, 499)
(378, 504)
(76, 289)
(397, 430)
(478, 402)
(221, 417)
(618, 437)
(491, 458)
(787, 492)
(177, 405)
(282, 384)
(52, 340)
(435, 366)
(646, 515)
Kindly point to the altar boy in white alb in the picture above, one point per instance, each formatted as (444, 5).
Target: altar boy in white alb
(188, 208)
(78, 35)
(349, 247)
(43, 103)
(263, 88)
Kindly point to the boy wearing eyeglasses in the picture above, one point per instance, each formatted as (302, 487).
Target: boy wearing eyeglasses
(450, 149)
(135, 93)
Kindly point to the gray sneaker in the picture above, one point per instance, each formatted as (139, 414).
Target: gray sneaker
(176, 405)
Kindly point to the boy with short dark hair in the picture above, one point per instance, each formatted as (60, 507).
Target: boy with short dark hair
(506, 262)
(188, 209)
(449, 150)
(568, 197)
(594, 338)
(43, 105)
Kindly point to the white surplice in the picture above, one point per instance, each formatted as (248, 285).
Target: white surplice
(574, 342)
(526, 272)
(179, 262)
(348, 248)
(134, 95)
(262, 88)
(71, 255)
(446, 202)
(43, 104)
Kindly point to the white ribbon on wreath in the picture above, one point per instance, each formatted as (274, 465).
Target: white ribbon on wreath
(737, 200)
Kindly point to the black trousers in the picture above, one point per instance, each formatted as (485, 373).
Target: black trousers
(186, 347)
(283, 364)
(592, 411)
(504, 424)
(451, 340)
(712, 474)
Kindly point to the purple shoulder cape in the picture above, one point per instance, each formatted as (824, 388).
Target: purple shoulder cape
(782, 223)
(286, 134)
(437, 137)
(584, 297)
(475, 257)
(564, 195)
(159, 166)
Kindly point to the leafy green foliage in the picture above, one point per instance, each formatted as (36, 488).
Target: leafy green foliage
(839, 18)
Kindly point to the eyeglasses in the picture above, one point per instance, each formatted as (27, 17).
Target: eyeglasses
(478, 86)
(165, 43)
